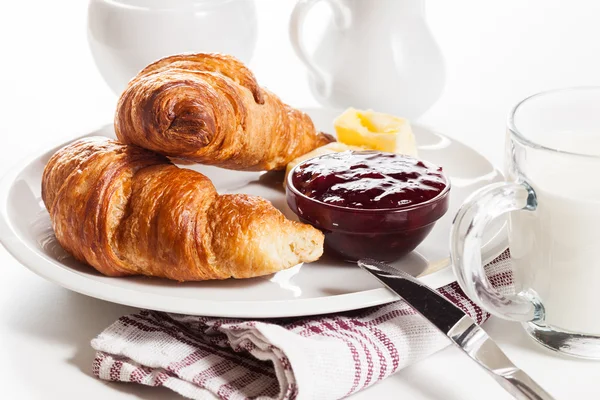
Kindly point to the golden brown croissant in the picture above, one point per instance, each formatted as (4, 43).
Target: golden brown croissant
(125, 210)
(208, 108)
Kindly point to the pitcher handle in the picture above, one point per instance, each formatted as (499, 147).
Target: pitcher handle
(341, 18)
(465, 244)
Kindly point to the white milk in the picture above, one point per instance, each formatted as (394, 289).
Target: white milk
(556, 248)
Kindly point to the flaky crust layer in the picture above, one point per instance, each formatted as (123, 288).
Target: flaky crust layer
(127, 211)
(208, 108)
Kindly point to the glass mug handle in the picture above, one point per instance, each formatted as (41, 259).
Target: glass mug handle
(465, 247)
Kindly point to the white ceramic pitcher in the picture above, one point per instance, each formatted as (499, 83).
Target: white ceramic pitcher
(377, 54)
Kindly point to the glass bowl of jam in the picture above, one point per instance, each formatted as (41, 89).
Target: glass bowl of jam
(369, 204)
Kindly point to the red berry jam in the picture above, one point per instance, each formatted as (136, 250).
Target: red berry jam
(368, 204)
(369, 180)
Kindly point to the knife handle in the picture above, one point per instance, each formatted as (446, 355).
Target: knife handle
(521, 386)
(474, 341)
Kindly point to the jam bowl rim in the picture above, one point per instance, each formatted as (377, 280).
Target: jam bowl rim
(440, 196)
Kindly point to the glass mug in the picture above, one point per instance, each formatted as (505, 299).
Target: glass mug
(552, 193)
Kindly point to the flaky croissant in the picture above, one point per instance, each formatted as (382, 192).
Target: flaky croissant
(208, 108)
(127, 211)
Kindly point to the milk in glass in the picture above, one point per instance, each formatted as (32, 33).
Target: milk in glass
(556, 248)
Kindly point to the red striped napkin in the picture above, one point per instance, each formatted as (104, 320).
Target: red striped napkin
(320, 357)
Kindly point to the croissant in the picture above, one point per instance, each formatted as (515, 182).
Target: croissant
(208, 108)
(125, 210)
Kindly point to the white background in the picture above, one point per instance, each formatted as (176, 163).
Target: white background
(496, 53)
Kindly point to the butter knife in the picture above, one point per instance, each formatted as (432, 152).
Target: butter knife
(460, 328)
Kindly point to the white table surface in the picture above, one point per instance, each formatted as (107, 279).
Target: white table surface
(496, 52)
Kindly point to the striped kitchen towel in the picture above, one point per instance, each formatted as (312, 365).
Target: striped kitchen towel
(319, 357)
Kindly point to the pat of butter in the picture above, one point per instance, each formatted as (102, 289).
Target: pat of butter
(333, 147)
(376, 131)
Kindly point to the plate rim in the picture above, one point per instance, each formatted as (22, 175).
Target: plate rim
(57, 273)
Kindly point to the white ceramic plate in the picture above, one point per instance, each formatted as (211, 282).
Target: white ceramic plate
(325, 286)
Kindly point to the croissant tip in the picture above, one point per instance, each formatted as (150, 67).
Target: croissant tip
(307, 246)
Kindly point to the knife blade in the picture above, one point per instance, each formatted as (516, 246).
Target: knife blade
(462, 330)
